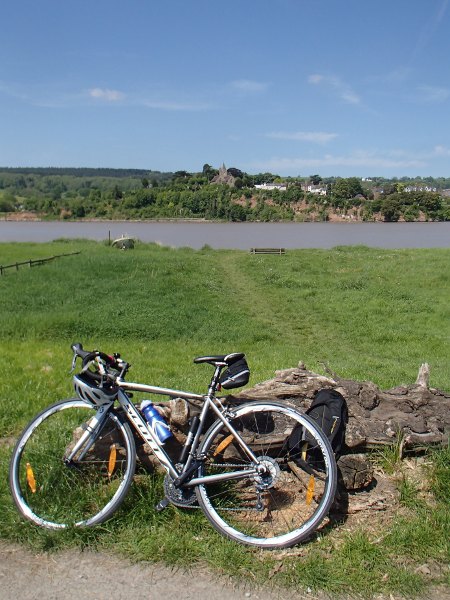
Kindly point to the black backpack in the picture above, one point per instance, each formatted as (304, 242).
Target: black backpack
(329, 410)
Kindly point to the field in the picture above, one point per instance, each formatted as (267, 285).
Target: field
(368, 313)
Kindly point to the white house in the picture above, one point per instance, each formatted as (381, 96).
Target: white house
(420, 188)
(272, 186)
(320, 190)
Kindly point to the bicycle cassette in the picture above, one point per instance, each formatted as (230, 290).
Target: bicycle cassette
(270, 474)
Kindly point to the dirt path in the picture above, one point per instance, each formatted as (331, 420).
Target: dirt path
(96, 576)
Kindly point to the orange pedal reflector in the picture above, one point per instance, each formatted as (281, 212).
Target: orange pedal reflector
(224, 444)
(310, 490)
(112, 460)
(30, 478)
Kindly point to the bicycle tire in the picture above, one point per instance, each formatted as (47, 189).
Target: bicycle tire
(55, 495)
(283, 508)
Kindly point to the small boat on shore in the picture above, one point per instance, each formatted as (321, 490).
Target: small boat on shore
(125, 242)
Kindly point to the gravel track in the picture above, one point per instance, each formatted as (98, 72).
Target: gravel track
(70, 575)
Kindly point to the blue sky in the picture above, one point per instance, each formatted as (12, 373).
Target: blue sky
(295, 87)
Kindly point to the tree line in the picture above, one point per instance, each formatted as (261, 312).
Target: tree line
(139, 194)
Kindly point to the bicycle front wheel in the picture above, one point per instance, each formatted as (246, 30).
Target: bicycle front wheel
(285, 501)
(54, 492)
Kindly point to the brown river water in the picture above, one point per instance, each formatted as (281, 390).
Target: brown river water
(241, 236)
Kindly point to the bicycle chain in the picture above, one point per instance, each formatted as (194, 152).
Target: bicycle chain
(228, 465)
(258, 508)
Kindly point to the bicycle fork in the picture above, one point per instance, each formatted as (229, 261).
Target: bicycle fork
(92, 429)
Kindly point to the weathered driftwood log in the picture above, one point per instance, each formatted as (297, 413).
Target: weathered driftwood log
(413, 415)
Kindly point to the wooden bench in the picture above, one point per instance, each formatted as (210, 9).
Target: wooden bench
(267, 250)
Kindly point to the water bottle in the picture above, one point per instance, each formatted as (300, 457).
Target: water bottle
(155, 421)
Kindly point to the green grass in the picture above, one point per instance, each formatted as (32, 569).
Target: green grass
(369, 313)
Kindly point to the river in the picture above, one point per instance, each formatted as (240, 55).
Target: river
(237, 235)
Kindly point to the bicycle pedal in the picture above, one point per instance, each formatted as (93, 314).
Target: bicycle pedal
(162, 504)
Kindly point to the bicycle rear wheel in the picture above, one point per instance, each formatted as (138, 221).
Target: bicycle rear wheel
(56, 493)
(286, 502)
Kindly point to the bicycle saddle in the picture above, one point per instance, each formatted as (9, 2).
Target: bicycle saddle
(228, 359)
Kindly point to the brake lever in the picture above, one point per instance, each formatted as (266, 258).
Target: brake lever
(101, 366)
(74, 361)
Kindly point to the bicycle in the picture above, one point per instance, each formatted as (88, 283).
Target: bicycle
(74, 462)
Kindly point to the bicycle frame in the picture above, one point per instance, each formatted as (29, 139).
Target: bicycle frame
(190, 465)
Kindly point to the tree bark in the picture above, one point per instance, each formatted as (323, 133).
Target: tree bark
(414, 415)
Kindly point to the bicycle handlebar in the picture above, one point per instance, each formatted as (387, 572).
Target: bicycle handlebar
(103, 361)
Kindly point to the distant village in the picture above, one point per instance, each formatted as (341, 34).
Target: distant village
(227, 194)
(226, 176)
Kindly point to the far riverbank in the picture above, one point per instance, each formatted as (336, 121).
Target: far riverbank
(241, 236)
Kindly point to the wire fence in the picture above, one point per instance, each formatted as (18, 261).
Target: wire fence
(34, 263)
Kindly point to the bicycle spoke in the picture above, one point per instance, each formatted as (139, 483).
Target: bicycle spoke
(54, 492)
(277, 506)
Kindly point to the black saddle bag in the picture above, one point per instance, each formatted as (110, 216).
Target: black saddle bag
(236, 375)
